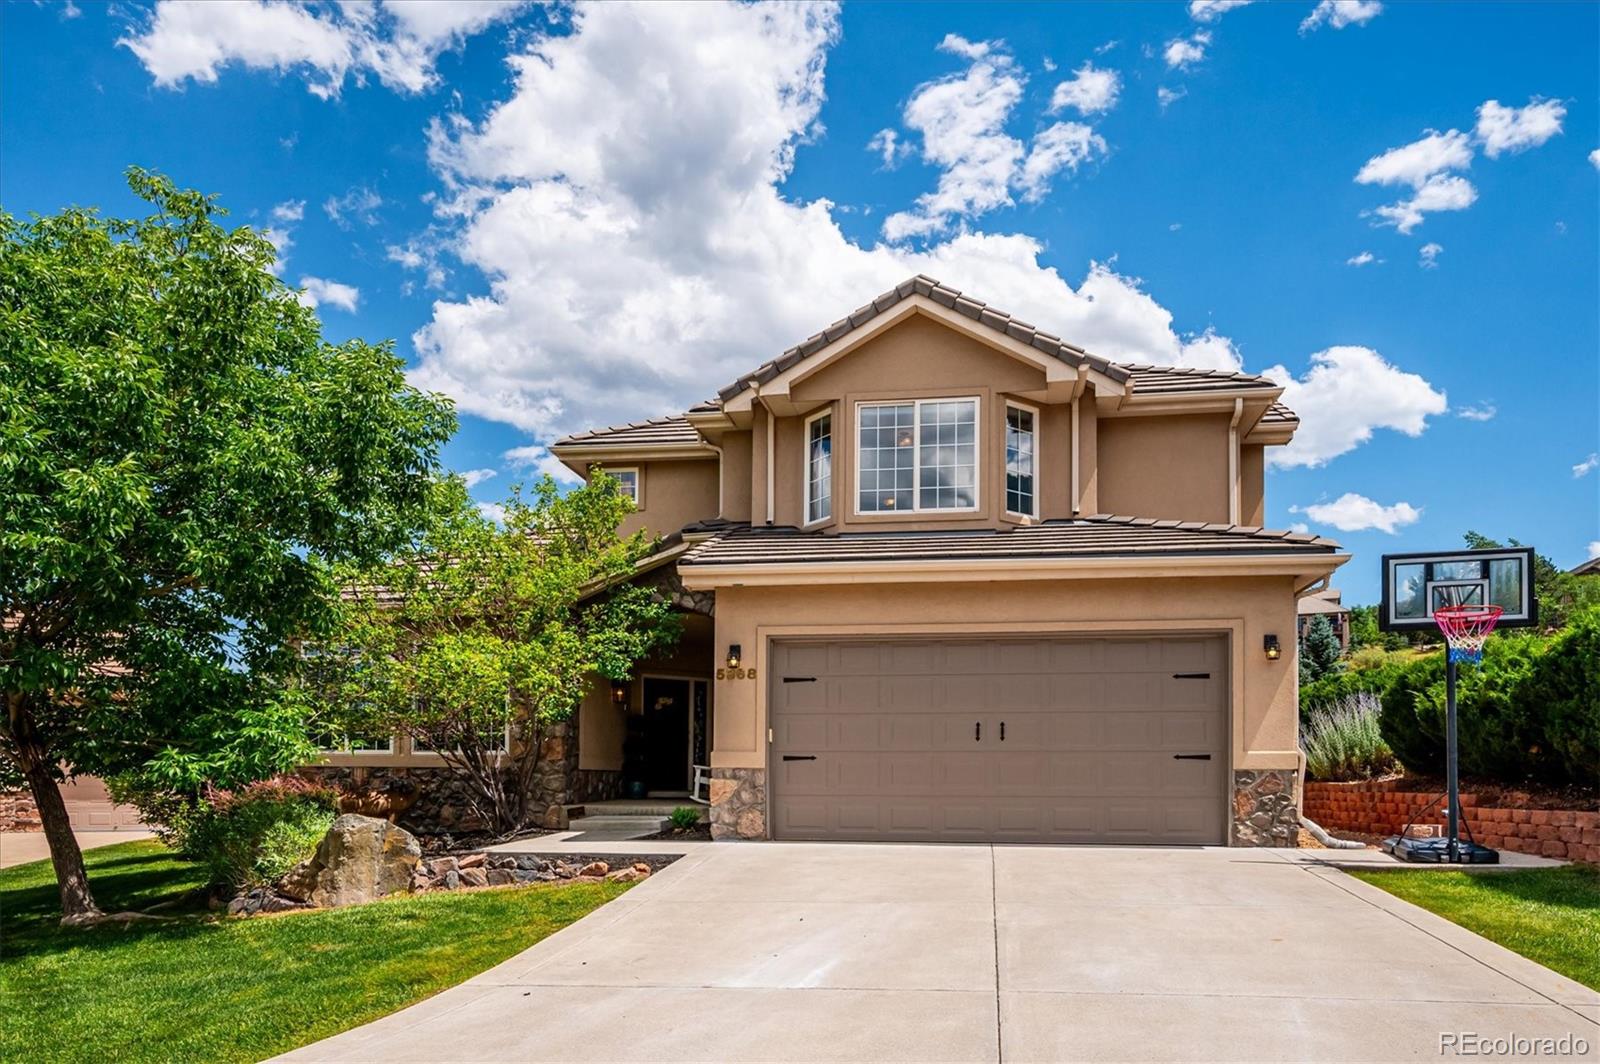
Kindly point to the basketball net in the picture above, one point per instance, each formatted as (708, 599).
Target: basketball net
(1465, 629)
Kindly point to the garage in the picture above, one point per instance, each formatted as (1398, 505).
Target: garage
(1057, 740)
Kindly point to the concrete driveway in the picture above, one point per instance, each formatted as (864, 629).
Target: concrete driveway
(874, 953)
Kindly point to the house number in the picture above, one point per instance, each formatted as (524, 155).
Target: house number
(736, 674)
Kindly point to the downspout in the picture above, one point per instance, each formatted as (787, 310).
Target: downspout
(1233, 462)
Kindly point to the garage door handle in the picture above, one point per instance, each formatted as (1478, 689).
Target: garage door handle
(799, 679)
(977, 731)
(1191, 676)
(808, 757)
(1191, 757)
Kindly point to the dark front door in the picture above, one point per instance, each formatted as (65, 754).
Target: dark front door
(666, 717)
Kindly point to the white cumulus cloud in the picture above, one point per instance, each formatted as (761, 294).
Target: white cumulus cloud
(396, 41)
(1091, 90)
(1415, 163)
(1480, 412)
(1428, 255)
(1362, 259)
(1211, 10)
(1062, 146)
(537, 460)
(1504, 129)
(1587, 466)
(1351, 512)
(1349, 393)
(1594, 548)
(1594, 158)
(1167, 97)
(289, 211)
(1181, 53)
(474, 477)
(318, 291)
(1341, 13)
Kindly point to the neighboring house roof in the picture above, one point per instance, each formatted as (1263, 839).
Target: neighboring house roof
(1588, 568)
(1100, 536)
(1314, 604)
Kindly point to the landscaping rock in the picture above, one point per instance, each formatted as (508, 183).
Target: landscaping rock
(362, 858)
(471, 860)
(262, 900)
(528, 860)
(451, 880)
(534, 875)
(440, 865)
(501, 860)
(594, 868)
(500, 877)
(299, 881)
(474, 877)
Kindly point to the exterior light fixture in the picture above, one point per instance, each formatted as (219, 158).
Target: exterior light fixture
(1270, 645)
(619, 692)
(733, 655)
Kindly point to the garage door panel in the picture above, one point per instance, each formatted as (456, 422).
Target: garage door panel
(1090, 726)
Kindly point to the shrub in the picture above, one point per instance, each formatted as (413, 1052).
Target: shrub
(685, 817)
(251, 837)
(1564, 686)
(1337, 686)
(1342, 740)
(1319, 650)
(1502, 731)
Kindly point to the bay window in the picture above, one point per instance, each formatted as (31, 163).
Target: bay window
(1021, 458)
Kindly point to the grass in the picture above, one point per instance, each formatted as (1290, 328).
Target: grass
(205, 987)
(1550, 915)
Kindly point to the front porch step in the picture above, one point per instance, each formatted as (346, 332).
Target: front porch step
(661, 807)
(617, 827)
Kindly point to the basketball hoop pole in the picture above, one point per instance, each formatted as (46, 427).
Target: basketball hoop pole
(1452, 780)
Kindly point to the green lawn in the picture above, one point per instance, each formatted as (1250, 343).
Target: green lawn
(1551, 915)
(210, 988)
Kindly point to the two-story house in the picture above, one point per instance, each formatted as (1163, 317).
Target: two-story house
(947, 577)
(953, 578)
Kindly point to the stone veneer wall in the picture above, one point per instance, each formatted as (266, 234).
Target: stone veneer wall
(597, 785)
(738, 803)
(1264, 808)
(1384, 807)
(442, 803)
(18, 811)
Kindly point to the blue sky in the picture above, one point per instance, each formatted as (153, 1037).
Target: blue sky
(572, 216)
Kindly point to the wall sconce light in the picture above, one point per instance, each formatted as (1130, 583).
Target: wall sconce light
(1270, 645)
(619, 692)
(733, 655)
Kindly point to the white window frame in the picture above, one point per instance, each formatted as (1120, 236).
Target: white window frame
(505, 745)
(350, 751)
(805, 467)
(638, 483)
(916, 433)
(1005, 486)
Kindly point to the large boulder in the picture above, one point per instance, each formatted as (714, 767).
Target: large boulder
(360, 858)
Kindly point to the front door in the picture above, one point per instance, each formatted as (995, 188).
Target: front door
(666, 729)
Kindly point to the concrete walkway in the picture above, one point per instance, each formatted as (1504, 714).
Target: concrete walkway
(20, 847)
(789, 952)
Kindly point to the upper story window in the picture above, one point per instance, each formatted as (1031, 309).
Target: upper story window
(627, 484)
(819, 468)
(1022, 450)
(917, 456)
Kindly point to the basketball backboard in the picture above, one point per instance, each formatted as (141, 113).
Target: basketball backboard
(1414, 585)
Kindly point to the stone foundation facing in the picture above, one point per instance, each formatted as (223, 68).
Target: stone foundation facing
(738, 803)
(18, 811)
(1264, 809)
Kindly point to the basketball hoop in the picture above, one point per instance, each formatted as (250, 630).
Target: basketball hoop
(1465, 629)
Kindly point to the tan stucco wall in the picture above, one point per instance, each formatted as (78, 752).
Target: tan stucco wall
(1252, 485)
(1166, 466)
(601, 727)
(671, 494)
(1264, 715)
(736, 453)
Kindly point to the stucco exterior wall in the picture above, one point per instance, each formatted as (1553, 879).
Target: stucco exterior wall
(1252, 485)
(1264, 715)
(1171, 466)
(672, 494)
(736, 455)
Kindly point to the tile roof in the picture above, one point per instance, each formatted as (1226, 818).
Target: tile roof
(1158, 380)
(1277, 413)
(1145, 379)
(661, 430)
(1100, 536)
(944, 295)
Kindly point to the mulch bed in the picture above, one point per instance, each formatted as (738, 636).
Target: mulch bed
(453, 845)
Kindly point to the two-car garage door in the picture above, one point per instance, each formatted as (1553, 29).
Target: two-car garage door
(1115, 740)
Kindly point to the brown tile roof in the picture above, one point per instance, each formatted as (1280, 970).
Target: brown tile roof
(977, 310)
(660, 430)
(1100, 536)
(1277, 413)
(1159, 380)
(1145, 379)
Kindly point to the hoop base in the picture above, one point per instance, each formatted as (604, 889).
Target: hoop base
(1437, 851)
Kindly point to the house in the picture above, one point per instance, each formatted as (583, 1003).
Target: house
(947, 577)
(1325, 603)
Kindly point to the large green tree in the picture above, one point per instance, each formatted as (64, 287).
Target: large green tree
(481, 633)
(183, 460)
(1560, 594)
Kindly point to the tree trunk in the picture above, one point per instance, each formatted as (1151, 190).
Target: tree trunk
(77, 903)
